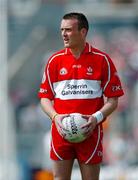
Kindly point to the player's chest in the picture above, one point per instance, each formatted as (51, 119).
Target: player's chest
(84, 68)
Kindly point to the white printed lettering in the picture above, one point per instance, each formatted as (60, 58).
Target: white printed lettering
(77, 89)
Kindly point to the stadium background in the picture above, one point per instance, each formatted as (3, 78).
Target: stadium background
(32, 33)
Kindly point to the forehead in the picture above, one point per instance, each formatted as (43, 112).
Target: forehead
(69, 23)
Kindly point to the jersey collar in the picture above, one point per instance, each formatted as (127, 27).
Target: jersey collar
(87, 49)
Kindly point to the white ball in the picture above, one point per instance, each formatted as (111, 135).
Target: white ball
(72, 125)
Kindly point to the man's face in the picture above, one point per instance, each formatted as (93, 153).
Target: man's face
(72, 37)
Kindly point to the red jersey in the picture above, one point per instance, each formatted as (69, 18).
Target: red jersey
(79, 85)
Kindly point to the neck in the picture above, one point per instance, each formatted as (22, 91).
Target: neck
(78, 50)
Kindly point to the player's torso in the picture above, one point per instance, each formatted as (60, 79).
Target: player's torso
(78, 78)
(77, 83)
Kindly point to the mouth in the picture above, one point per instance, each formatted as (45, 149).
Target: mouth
(66, 40)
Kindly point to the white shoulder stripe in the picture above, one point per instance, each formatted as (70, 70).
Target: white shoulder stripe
(109, 69)
(60, 54)
(48, 75)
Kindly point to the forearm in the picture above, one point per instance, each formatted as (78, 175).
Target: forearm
(109, 106)
(47, 107)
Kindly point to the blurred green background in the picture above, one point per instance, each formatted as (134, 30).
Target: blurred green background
(30, 33)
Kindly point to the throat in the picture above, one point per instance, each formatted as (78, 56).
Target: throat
(77, 55)
(76, 52)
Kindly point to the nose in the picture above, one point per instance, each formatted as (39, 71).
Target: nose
(64, 32)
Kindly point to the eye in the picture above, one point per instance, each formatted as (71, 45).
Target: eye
(61, 29)
(68, 30)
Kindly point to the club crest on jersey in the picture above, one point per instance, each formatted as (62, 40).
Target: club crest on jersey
(89, 71)
(63, 71)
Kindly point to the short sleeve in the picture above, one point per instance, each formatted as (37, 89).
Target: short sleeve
(111, 83)
(46, 88)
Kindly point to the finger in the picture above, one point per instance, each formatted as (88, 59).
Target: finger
(61, 132)
(88, 132)
(85, 116)
(86, 125)
(65, 115)
(61, 126)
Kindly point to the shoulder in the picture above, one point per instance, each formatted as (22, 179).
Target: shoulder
(102, 55)
(56, 56)
(99, 52)
(58, 53)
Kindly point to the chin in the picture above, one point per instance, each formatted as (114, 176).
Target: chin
(66, 45)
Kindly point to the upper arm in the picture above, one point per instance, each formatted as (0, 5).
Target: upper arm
(110, 80)
(46, 86)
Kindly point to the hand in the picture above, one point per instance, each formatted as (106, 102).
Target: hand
(90, 125)
(58, 122)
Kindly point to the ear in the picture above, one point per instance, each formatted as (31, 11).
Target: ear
(84, 32)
